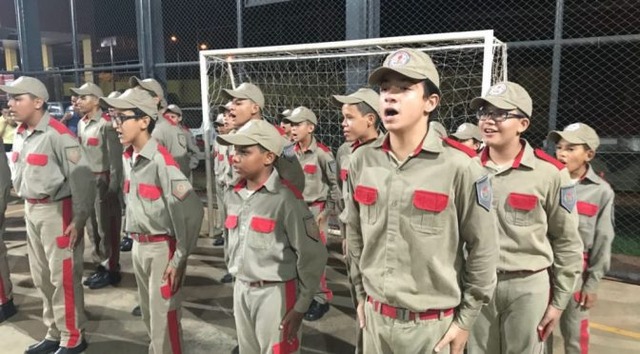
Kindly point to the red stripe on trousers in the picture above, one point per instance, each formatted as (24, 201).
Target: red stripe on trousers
(323, 279)
(114, 257)
(584, 337)
(172, 315)
(3, 295)
(67, 282)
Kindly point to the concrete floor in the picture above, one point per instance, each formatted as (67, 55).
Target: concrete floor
(207, 315)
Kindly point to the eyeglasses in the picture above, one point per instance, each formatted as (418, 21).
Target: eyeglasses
(496, 116)
(121, 118)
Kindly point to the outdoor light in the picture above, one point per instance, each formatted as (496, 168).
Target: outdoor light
(174, 38)
(203, 46)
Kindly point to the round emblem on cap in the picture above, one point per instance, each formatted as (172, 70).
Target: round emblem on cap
(572, 127)
(461, 128)
(399, 58)
(296, 111)
(497, 90)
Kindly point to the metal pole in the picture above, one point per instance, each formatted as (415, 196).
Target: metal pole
(206, 124)
(74, 42)
(555, 66)
(239, 22)
(113, 72)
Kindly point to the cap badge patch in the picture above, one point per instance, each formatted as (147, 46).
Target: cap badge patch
(399, 58)
(461, 128)
(296, 111)
(497, 90)
(572, 127)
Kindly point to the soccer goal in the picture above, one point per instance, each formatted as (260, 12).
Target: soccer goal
(309, 74)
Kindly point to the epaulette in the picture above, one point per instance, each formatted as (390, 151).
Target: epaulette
(59, 127)
(323, 147)
(168, 159)
(128, 152)
(457, 145)
(546, 157)
(292, 188)
(106, 117)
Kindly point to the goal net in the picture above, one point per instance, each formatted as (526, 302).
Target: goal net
(309, 74)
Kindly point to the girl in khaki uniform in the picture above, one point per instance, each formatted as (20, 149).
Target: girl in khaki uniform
(575, 147)
(164, 216)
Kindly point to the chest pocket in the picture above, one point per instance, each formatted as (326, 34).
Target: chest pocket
(93, 141)
(587, 213)
(310, 169)
(521, 209)
(426, 215)
(150, 197)
(261, 235)
(37, 159)
(367, 197)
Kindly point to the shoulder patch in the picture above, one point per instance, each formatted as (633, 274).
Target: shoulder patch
(333, 167)
(484, 194)
(293, 188)
(323, 147)
(168, 159)
(311, 227)
(457, 145)
(180, 188)
(59, 127)
(546, 157)
(568, 197)
(289, 151)
(73, 153)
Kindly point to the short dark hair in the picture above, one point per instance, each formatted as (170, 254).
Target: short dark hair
(45, 105)
(142, 114)
(430, 88)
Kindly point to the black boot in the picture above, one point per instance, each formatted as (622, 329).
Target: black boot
(316, 311)
(7, 310)
(75, 350)
(44, 347)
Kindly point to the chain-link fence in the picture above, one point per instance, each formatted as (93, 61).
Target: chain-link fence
(578, 59)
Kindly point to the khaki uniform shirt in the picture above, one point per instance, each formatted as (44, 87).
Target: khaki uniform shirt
(167, 133)
(192, 148)
(534, 200)
(48, 163)
(320, 170)
(408, 222)
(342, 161)
(221, 165)
(272, 236)
(160, 199)
(101, 147)
(595, 209)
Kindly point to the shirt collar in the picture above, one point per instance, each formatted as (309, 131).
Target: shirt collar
(591, 175)
(432, 142)
(149, 149)
(525, 157)
(44, 122)
(271, 185)
(94, 117)
(312, 147)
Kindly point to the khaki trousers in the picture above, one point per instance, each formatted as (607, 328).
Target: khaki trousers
(258, 312)
(161, 310)
(103, 226)
(508, 325)
(324, 295)
(354, 299)
(386, 335)
(56, 270)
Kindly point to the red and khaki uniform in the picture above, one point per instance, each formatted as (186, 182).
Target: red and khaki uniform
(170, 135)
(408, 223)
(5, 191)
(537, 223)
(52, 176)
(595, 209)
(192, 148)
(274, 252)
(164, 216)
(224, 175)
(321, 192)
(103, 152)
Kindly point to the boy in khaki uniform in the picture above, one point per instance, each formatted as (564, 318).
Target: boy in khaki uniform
(468, 134)
(221, 168)
(103, 152)
(359, 125)
(52, 175)
(272, 243)
(576, 146)
(415, 201)
(535, 204)
(321, 190)
(174, 113)
(164, 216)
(7, 308)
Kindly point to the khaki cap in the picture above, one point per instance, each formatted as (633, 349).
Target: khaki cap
(88, 88)
(175, 109)
(225, 107)
(506, 95)
(284, 114)
(258, 132)
(577, 133)
(408, 62)
(366, 95)
(151, 85)
(219, 119)
(134, 98)
(26, 84)
(114, 94)
(302, 114)
(467, 131)
(247, 91)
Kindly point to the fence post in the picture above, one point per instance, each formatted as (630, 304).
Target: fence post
(74, 42)
(555, 66)
(30, 46)
(363, 22)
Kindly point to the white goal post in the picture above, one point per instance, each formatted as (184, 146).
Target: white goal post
(309, 74)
